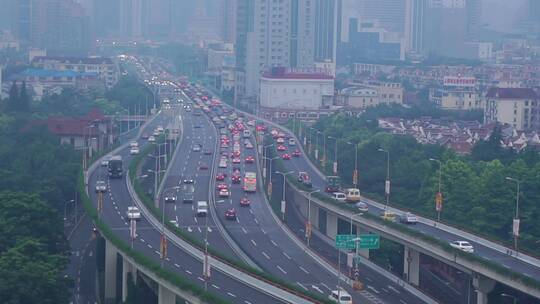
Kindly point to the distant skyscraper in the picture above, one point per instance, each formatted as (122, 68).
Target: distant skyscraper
(390, 14)
(228, 20)
(415, 14)
(474, 19)
(106, 18)
(326, 30)
(131, 19)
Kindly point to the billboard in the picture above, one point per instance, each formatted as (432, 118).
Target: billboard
(457, 81)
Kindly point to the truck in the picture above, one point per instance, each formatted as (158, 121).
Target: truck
(115, 167)
(250, 182)
(333, 184)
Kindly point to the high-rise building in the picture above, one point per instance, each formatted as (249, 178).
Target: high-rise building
(326, 30)
(415, 14)
(106, 18)
(389, 14)
(131, 18)
(474, 19)
(228, 7)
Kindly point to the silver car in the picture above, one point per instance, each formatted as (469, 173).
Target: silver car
(362, 207)
(101, 186)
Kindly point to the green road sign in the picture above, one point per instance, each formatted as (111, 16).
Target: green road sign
(369, 241)
(344, 241)
(365, 241)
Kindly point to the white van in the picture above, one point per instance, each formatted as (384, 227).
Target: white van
(353, 195)
(202, 208)
(292, 142)
(339, 196)
(341, 297)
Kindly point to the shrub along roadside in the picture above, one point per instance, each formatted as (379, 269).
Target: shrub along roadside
(149, 203)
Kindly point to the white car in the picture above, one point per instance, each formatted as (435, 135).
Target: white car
(101, 186)
(341, 297)
(105, 161)
(134, 144)
(133, 213)
(408, 218)
(462, 245)
(151, 138)
(134, 150)
(362, 207)
(224, 193)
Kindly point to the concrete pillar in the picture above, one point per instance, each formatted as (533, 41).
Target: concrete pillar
(483, 287)
(165, 296)
(110, 272)
(127, 268)
(411, 265)
(331, 225)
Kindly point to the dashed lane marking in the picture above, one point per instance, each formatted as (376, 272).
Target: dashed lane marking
(317, 288)
(281, 269)
(304, 287)
(189, 272)
(253, 242)
(273, 243)
(230, 294)
(266, 255)
(286, 255)
(216, 287)
(303, 269)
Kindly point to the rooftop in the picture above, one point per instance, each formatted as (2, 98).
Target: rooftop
(282, 73)
(74, 60)
(55, 73)
(511, 93)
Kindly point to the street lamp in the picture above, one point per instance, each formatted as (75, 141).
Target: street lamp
(283, 196)
(387, 183)
(308, 225)
(438, 196)
(335, 168)
(352, 216)
(163, 245)
(317, 144)
(515, 223)
(271, 159)
(65, 209)
(515, 300)
(355, 172)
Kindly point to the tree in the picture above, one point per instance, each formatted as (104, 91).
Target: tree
(24, 99)
(13, 99)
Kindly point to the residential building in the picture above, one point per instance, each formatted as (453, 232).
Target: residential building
(414, 29)
(326, 30)
(457, 93)
(105, 68)
(294, 90)
(389, 14)
(371, 94)
(518, 107)
(368, 42)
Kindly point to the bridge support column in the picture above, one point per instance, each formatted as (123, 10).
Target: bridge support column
(165, 296)
(110, 272)
(331, 225)
(126, 269)
(411, 265)
(483, 286)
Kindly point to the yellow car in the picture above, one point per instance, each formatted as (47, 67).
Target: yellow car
(389, 216)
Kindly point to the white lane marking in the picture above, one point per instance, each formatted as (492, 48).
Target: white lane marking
(317, 288)
(177, 266)
(253, 242)
(199, 228)
(403, 301)
(189, 272)
(263, 231)
(393, 289)
(209, 229)
(286, 255)
(247, 302)
(237, 220)
(216, 287)
(232, 295)
(273, 243)
(326, 286)
(149, 246)
(385, 290)
(250, 211)
(244, 230)
(196, 221)
(367, 278)
(265, 255)
(174, 207)
(300, 284)
(142, 240)
(157, 252)
(189, 229)
(200, 279)
(281, 269)
(303, 269)
(373, 289)
(256, 221)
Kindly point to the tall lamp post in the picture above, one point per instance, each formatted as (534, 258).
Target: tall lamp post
(355, 172)
(317, 144)
(163, 241)
(438, 196)
(387, 183)
(335, 167)
(283, 204)
(515, 223)
(308, 224)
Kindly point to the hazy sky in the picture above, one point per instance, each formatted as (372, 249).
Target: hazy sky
(502, 15)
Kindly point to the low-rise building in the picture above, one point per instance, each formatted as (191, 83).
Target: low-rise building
(457, 93)
(105, 68)
(371, 93)
(518, 107)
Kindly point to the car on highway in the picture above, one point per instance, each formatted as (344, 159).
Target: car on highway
(249, 159)
(303, 177)
(145, 136)
(197, 126)
(151, 138)
(224, 192)
(203, 166)
(170, 198)
(462, 245)
(188, 180)
(101, 186)
(286, 156)
(245, 202)
(388, 216)
(408, 218)
(296, 153)
(221, 176)
(339, 196)
(221, 186)
(236, 178)
(236, 160)
(196, 148)
(340, 297)
(281, 148)
(134, 150)
(362, 207)
(133, 144)
(202, 208)
(133, 213)
(105, 161)
(207, 152)
(280, 140)
(230, 214)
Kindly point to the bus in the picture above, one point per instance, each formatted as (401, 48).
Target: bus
(250, 182)
(115, 167)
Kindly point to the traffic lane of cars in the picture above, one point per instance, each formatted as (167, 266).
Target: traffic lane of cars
(115, 203)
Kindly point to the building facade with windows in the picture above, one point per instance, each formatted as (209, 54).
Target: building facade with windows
(518, 107)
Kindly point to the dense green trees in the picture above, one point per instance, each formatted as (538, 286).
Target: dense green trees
(476, 193)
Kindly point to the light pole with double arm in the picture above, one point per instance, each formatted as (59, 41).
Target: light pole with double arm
(387, 182)
(308, 225)
(515, 222)
(283, 204)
